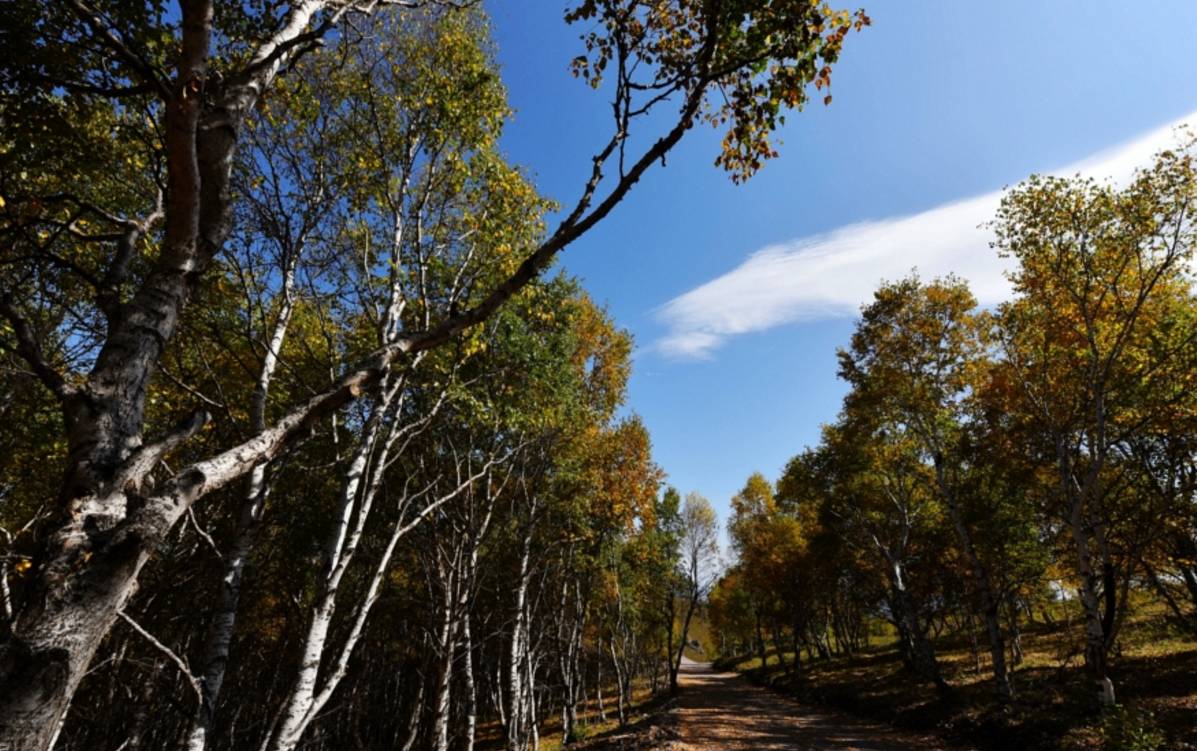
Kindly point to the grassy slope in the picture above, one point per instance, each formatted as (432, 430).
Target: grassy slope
(1156, 674)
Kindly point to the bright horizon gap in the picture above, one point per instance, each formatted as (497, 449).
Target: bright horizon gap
(831, 274)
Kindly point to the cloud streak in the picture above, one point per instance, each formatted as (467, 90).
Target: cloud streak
(832, 274)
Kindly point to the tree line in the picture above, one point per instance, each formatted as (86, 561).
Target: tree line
(301, 444)
(989, 463)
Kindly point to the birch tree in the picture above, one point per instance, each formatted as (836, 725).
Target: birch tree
(698, 566)
(912, 360)
(880, 502)
(197, 74)
(1098, 266)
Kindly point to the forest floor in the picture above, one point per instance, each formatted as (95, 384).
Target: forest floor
(741, 704)
(1155, 672)
(720, 710)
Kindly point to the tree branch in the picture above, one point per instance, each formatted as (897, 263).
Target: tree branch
(95, 22)
(30, 350)
(144, 459)
(184, 668)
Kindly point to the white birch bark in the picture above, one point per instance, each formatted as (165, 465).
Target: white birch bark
(220, 631)
(517, 707)
(467, 668)
(310, 694)
(445, 647)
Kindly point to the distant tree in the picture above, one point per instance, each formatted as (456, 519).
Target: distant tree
(731, 613)
(698, 566)
(753, 510)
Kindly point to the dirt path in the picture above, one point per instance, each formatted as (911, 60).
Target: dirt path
(724, 711)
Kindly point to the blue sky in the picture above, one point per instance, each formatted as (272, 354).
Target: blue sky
(936, 106)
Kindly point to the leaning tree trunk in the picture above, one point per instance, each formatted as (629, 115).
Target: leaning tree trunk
(310, 694)
(922, 652)
(355, 502)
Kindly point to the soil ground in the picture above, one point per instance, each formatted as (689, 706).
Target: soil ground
(722, 710)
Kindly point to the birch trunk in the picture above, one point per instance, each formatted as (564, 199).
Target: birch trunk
(220, 632)
(531, 705)
(922, 651)
(598, 688)
(1095, 638)
(442, 697)
(569, 650)
(621, 708)
(413, 720)
(107, 529)
(681, 649)
(457, 572)
(471, 691)
(517, 648)
(309, 696)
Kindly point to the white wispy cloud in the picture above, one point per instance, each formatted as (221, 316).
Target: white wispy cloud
(833, 274)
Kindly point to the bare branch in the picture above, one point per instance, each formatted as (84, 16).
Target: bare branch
(203, 534)
(184, 668)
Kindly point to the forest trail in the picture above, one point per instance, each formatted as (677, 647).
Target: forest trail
(718, 710)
